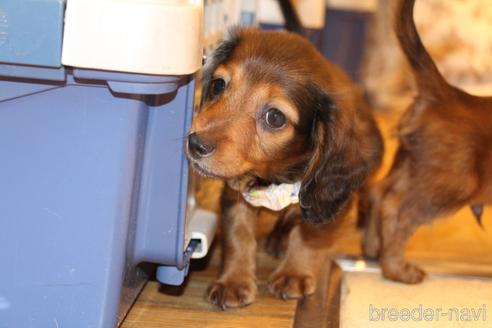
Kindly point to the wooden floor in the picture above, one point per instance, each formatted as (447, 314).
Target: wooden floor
(173, 307)
(458, 239)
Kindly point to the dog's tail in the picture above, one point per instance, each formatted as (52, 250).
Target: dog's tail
(429, 80)
(291, 18)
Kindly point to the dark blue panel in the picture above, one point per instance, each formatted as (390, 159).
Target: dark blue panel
(343, 39)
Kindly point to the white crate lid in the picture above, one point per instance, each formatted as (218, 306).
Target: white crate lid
(162, 37)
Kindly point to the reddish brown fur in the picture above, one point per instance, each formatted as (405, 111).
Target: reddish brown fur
(330, 142)
(444, 160)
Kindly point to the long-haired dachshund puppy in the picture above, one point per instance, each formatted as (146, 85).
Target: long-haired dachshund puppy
(276, 111)
(444, 160)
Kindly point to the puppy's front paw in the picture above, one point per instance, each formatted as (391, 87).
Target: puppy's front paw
(228, 294)
(407, 273)
(292, 286)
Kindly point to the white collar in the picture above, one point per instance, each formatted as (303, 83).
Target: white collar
(275, 196)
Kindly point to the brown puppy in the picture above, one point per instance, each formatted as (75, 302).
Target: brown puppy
(444, 160)
(273, 109)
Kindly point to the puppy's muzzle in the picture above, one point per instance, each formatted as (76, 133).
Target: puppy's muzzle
(199, 148)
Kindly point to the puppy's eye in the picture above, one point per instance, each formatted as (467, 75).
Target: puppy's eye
(218, 85)
(274, 118)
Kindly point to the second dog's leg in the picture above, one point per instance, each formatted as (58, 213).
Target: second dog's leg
(372, 199)
(398, 223)
(236, 285)
(371, 211)
(410, 199)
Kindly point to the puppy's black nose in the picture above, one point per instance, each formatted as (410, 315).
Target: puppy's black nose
(199, 148)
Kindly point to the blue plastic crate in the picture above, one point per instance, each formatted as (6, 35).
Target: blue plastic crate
(93, 178)
(92, 183)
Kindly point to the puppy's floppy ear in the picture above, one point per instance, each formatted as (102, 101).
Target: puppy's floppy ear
(337, 168)
(219, 56)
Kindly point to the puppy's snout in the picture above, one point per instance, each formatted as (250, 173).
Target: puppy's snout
(199, 148)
